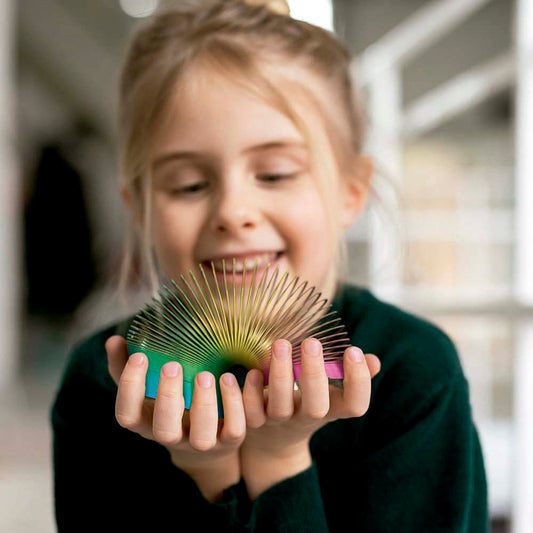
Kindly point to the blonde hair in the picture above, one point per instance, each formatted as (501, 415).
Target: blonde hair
(237, 38)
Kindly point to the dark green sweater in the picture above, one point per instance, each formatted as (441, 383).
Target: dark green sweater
(413, 463)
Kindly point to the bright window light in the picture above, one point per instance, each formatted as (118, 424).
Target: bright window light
(139, 8)
(317, 12)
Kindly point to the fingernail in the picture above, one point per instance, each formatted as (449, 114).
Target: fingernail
(170, 370)
(281, 350)
(205, 380)
(137, 359)
(355, 355)
(312, 346)
(254, 378)
(229, 379)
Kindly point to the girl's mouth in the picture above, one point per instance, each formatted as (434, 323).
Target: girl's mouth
(262, 262)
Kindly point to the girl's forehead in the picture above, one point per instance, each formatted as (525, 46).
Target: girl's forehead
(291, 79)
(209, 103)
(219, 110)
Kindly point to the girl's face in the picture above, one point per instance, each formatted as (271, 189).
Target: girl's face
(232, 178)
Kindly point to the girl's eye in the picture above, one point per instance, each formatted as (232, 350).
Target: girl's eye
(272, 178)
(190, 189)
(198, 187)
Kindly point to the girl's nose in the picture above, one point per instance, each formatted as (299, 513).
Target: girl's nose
(234, 211)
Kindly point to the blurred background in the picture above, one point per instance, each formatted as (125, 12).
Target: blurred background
(448, 87)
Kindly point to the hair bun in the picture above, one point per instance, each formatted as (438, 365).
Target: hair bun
(276, 6)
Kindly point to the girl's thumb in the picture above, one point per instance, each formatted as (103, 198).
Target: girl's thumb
(117, 356)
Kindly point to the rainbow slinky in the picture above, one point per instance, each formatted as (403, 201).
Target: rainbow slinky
(210, 326)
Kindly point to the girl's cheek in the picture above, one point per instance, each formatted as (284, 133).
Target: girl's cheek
(307, 214)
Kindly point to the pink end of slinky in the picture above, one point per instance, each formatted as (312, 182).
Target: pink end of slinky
(334, 370)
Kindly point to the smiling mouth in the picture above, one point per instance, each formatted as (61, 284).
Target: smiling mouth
(261, 260)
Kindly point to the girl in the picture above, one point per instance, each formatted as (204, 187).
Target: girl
(241, 137)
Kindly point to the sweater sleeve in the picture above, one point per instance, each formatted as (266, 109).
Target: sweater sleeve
(413, 470)
(106, 477)
(292, 505)
(429, 477)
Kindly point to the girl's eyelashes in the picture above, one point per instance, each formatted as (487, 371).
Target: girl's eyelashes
(190, 189)
(195, 188)
(272, 178)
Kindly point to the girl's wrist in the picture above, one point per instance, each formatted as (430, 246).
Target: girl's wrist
(212, 477)
(261, 471)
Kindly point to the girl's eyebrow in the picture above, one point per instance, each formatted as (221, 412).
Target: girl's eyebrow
(192, 155)
(288, 143)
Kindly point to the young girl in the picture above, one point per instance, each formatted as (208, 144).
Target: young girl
(241, 137)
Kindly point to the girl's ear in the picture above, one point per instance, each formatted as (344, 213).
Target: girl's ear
(354, 189)
(125, 194)
(127, 198)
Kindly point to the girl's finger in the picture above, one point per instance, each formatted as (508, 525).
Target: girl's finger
(117, 356)
(129, 406)
(234, 427)
(253, 399)
(374, 364)
(281, 381)
(203, 413)
(356, 384)
(169, 406)
(313, 381)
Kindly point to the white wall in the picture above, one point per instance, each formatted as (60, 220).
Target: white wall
(10, 203)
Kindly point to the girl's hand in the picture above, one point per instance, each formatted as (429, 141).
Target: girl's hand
(281, 420)
(199, 443)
